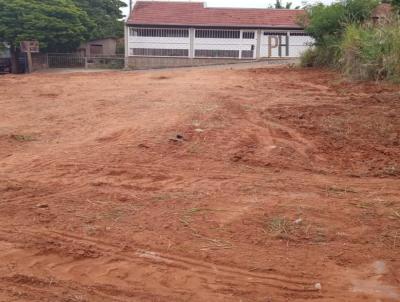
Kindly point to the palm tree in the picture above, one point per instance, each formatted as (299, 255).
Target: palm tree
(278, 4)
(288, 5)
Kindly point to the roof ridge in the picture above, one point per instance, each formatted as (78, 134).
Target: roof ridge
(187, 13)
(219, 7)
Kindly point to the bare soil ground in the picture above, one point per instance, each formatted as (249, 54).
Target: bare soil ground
(251, 185)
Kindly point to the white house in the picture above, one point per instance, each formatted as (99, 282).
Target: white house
(160, 34)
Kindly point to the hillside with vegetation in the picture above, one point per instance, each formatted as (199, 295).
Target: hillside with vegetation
(349, 39)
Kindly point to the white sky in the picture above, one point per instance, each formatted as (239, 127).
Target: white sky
(247, 3)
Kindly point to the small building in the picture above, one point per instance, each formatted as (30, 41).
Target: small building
(106, 47)
(383, 13)
(165, 34)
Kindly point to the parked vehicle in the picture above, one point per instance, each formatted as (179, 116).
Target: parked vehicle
(5, 65)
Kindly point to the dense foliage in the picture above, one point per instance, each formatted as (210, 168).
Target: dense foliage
(329, 22)
(106, 16)
(372, 52)
(57, 24)
(279, 5)
(347, 39)
(395, 3)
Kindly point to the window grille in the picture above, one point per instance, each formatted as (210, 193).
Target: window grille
(275, 33)
(159, 32)
(300, 34)
(154, 52)
(216, 53)
(217, 34)
(249, 35)
(248, 54)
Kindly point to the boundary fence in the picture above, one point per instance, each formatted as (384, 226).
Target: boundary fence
(71, 60)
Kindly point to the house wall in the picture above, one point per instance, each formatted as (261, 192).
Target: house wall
(109, 47)
(174, 46)
(297, 43)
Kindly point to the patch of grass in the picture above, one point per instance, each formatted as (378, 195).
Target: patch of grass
(23, 138)
(92, 230)
(320, 236)
(188, 214)
(162, 197)
(391, 171)
(215, 243)
(280, 226)
(337, 126)
(391, 239)
(363, 205)
(372, 52)
(334, 190)
(295, 230)
(395, 215)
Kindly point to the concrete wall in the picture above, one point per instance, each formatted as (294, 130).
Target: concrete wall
(166, 62)
(109, 47)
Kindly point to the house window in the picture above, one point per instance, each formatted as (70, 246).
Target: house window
(249, 35)
(159, 32)
(216, 53)
(248, 54)
(217, 34)
(299, 34)
(155, 52)
(275, 33)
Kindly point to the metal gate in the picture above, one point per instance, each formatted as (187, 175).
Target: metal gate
(64, 60)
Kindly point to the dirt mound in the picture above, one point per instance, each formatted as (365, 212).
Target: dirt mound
(359, 136)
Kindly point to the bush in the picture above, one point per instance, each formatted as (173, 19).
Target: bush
(308, 58)
(326, 55)
(372, 52)
(345, 39)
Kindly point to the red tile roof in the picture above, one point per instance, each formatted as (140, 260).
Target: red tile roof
(197, 14)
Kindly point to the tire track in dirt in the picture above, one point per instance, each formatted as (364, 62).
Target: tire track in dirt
(115, 263)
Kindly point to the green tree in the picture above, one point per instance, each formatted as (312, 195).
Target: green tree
(58, 25)
(327, 23)
(396, 3)
(106, 15)
(279, 5)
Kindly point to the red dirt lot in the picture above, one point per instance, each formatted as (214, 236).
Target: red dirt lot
(207, 184)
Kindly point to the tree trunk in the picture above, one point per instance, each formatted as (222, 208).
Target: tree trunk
(14, 59)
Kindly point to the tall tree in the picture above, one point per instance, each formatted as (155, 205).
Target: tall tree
(59, 25)
(106, 15)
(278, 4)
(288, 5)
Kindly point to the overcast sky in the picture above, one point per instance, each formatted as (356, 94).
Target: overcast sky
(249, 3)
